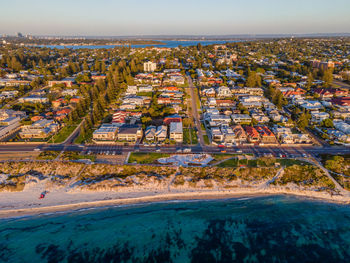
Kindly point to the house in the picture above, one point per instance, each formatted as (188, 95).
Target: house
(97, 77)
(176, 131)
(216, 134)
(68, 82)
(70, 92)
(106, 132)
(212, 102)
(74, 100)
(219, 118)
(145, 89)
(342, 126)
(36, 118)
(58, 103)
(209, 92)
(286, 136)
(128, 106)
(169, 89)
(241, 118)
(260, 117)
(311, 105)
(129, 133)
(319, 116)
(131, 90)
(229, 135)
(8, 94)
(63, 113)
(225, 103)
(338, 135)
(172, 118)
(119, 117)
(223, 91)
(150, 133)
(240, 134)
(161, 133)
(132, 99)
(252, 134)
(266, 135)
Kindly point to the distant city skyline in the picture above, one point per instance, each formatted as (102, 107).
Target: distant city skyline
(190, 17)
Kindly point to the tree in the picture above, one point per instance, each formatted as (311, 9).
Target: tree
(85, 66)
(328, 123)
(253, 80)
(83, 130)
(327, 77)
(254, 122)
(303, 121)
(310, 80)
(336, 163)
(146, 120)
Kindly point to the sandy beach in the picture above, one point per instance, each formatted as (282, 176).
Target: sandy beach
(18, 204)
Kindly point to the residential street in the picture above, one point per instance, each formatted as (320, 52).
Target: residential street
(195, 114)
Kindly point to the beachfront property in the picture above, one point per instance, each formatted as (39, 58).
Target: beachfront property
(40, 129)
(176, 132)
(161, 133)
(252, 134)
(129, 133)
(150, 133)
(106, 132)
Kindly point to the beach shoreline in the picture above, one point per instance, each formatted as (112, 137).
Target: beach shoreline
(147, 198)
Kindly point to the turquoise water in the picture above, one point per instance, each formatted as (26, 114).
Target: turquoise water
(167, 43)
(259, 229)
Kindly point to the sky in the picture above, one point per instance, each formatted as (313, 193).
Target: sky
(176, 17)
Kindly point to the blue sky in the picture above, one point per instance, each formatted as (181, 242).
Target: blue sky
(168, 17)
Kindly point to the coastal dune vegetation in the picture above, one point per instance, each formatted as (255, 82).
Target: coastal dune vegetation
(15, 176)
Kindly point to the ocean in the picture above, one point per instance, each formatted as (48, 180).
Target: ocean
(250, 229)
(167, 44)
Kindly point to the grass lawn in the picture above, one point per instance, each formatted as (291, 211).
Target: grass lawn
(206, 139)
(146, 158)
(63, 134)
(198, 104)
(235, 163)
(229, 163)
(187, 139)
(87, 138)
(194, 137)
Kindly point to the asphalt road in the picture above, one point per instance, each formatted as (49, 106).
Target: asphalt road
(342, 85)
(117, 149)
(195, 113)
